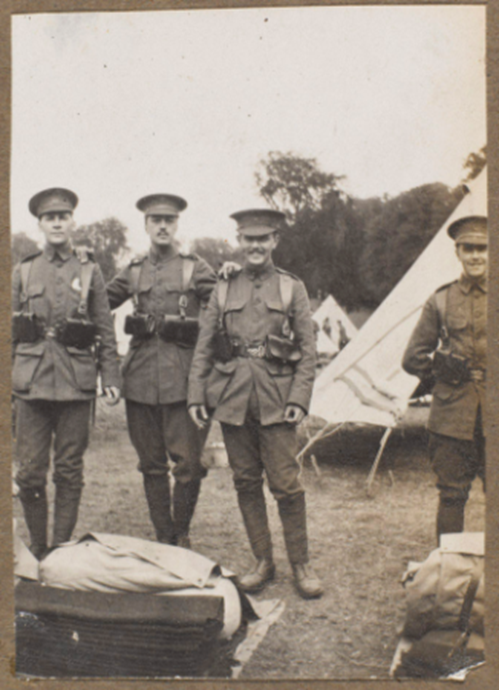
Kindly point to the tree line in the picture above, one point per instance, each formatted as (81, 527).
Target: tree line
(354, 249)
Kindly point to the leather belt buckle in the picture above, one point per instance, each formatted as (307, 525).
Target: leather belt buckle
(257, 352)
(477, 375)
(50, 333)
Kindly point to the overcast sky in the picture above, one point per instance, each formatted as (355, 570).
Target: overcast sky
(119, 105)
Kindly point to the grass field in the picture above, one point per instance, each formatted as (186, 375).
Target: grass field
(359, 546)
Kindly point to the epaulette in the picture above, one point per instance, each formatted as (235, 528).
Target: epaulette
(188, 255)
(445, 285)
(31, 256)
(286, 273)
(84, 254)
(138, 259)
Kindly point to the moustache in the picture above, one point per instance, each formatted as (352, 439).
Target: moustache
(256, 251)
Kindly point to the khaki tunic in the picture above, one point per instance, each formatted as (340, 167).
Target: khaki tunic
(454, 408)
(155, 372)
(254, 310)
(46, 369)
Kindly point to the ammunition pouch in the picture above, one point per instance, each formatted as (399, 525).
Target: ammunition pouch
(26, 328)
(140, 325)
(76, 332)
(450, 368)
(181, 330)
(283, 349)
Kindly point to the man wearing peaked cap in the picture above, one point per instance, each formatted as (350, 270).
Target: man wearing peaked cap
(253, 370)
(170, 291)
(53, 200)
(448, 352)
(60, 309)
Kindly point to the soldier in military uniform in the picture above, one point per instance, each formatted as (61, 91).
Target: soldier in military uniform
(60, 311)
(253, 369)
(169, 290)
(448, 352)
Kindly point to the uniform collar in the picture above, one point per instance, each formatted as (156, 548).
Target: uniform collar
(64, 252)
(159, 257)
(260, 272)
(466, 284)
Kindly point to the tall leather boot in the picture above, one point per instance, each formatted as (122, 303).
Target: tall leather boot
(67, 501)
(185, 497)
(254, 512)
(34, 503)
(294, 523)
(157, 489)
(450, 516)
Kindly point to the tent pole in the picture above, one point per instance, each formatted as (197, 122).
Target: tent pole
(374, 468)
(319, 435)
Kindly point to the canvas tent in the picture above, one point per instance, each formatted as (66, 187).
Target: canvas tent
(330, 319)
(365, 383)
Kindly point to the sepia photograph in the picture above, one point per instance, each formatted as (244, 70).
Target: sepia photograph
(249, 343)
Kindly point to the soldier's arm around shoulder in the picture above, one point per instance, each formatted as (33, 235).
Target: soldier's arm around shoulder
(100, 314)
(204, 278)
(417, 358)
(119, 289)
(302, 325)
(203, 358)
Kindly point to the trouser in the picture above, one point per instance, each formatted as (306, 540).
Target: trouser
(456, 462)
(159, 432)
(38, 423)
(252, 449)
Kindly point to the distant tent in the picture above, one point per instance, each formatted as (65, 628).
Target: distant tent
(335, 327)
(365, 383)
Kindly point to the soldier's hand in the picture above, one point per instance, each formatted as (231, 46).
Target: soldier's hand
(229, 269)
(199, 415)
(112, 394)
(293, 414)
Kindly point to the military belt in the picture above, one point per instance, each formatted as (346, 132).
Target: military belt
(477, 374)
(257, 352)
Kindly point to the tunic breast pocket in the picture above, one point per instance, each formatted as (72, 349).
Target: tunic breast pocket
(457, 322)
(84, 368)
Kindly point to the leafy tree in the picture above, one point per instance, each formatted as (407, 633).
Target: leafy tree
(22, 246)
(108, 241)
(292, 184)
(398, 233)
(215, 251)
(475, 163)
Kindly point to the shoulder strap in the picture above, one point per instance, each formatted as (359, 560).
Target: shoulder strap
(25, 272)
(135, 270)
(188, 265)
(286, 288)
(441, 303)
(222, 292)
(87, 269)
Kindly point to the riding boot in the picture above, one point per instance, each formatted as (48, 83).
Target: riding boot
(34, 503)
(185, 496)
(157, 489)
(294, 524)
(67, 501)
(450, 516)
(254, 512)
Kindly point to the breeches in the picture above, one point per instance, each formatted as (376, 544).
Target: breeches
(457, 462)
(37, 423)
(159, 431)
(253, 449)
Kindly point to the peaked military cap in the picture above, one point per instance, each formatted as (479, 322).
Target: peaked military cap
(260, 221)
(470, 229)
(52, 200)
(161, 204)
